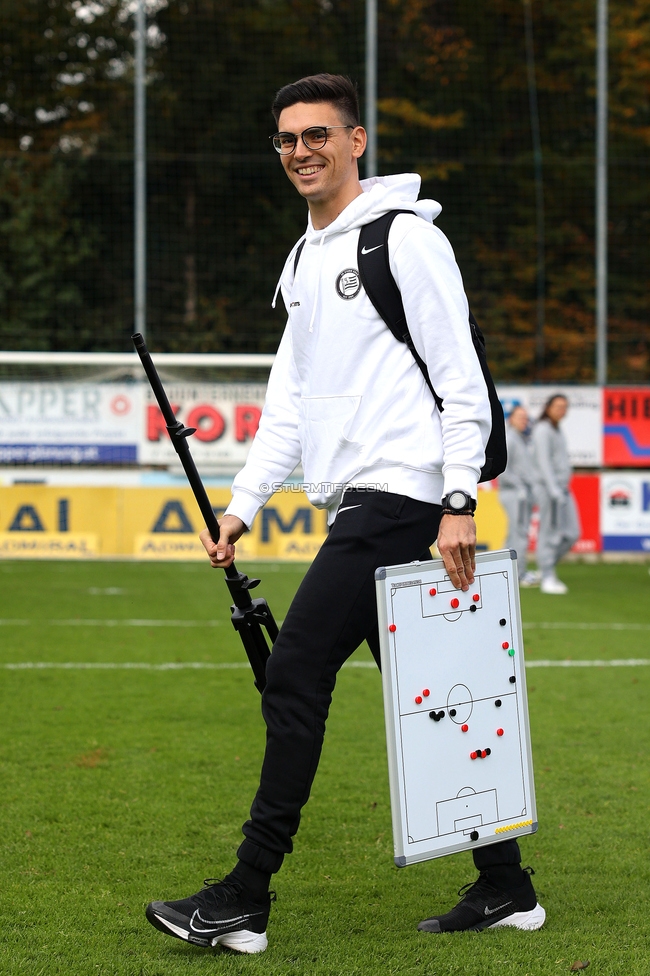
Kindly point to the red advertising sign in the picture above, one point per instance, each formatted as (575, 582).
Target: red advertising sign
(586, 491)
(626, 427)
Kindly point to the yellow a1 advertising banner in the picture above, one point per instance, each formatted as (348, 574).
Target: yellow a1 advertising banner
(43, 521)
(149, 523)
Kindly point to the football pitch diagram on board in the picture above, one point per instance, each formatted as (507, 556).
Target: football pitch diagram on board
(454, 682)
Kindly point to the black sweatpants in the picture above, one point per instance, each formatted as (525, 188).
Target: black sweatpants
(333, 612)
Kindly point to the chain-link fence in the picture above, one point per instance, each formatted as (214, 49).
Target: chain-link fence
(461, 98)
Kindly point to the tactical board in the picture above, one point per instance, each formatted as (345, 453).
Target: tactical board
(454, 681)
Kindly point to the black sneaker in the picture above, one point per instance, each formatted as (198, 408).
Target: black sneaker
(485, 906)
(220, 914)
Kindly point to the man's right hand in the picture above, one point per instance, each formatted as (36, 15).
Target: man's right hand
(222, 553)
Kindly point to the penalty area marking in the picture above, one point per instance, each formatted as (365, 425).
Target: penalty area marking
(233, 665)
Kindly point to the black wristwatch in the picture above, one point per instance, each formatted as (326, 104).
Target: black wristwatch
(458, 503)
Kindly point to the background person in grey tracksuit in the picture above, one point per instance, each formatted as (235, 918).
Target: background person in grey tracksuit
(516, 490)
(559, 527)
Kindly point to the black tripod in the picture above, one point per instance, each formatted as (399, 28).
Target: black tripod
(248, 616)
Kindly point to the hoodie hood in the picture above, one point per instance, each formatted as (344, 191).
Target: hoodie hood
(380, 194)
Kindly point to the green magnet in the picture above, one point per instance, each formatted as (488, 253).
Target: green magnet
(511, 652)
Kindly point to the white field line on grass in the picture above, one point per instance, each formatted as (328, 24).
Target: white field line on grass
(572, 625)
(77, 622)
(228, 666)
(101, 622)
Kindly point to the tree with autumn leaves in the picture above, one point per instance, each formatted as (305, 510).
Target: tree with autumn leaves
(454, 105)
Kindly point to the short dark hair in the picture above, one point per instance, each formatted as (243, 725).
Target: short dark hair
(339, 90)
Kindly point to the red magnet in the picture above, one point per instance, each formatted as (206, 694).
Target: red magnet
(499, 731)
(476, 598)
(392, 628)
(454, 603)
(464, 728)
(418, 699)
(483, 753)
(473, 755)
(505, 645)
(426, 692)
(432, 591)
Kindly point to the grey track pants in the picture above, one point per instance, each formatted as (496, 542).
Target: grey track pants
(559, 528)
(518, 510)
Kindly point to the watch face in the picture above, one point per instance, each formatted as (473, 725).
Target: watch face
(457, 499)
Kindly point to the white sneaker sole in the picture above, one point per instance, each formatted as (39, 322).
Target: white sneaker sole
(528, 921)
(244, 941)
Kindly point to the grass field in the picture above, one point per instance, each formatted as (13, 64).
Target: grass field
(124, 785)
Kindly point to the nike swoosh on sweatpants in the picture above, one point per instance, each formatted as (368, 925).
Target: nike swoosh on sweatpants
(347, 508)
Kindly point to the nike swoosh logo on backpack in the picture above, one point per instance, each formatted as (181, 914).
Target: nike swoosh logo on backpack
(368, 250)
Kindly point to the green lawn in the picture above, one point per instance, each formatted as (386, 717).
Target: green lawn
(121, 786)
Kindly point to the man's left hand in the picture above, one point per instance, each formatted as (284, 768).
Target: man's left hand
(457, 546)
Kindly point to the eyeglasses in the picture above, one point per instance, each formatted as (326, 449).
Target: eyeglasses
(314, 138)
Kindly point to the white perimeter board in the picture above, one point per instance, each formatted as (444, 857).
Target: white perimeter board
(459, 757)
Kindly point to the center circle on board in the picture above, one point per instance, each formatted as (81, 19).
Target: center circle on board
(460, 698)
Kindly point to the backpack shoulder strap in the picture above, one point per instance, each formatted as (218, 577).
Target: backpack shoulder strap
(297, 257)
(381, 288)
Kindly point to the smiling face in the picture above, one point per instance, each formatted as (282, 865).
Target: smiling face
(328, 178)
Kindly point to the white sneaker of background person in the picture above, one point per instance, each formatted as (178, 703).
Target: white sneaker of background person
(531, 578)
(551, 584)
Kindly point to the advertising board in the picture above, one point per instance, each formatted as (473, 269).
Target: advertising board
(626, 427)
(582, 425)
(70, 423)
(625, 511)
(225, 415)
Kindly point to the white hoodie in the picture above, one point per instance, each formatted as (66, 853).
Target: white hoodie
(344, 396)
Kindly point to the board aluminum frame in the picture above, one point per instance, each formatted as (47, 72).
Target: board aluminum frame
(425, 574)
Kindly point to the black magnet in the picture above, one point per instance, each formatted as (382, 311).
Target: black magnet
(498, 703)
(488, 752)
(452, 712)
(512, 679)
(474, 835)
(434, 716)
(503, 621)
(472, 609)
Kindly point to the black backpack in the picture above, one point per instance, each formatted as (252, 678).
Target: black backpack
(381, 288)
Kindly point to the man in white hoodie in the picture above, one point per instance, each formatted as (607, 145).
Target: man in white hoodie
(394, 474)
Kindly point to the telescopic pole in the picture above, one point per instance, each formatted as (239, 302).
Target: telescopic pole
(248, 616)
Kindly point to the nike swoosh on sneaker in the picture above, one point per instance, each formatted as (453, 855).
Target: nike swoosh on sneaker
(216, 925)
(492, 911)
(368, 250)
